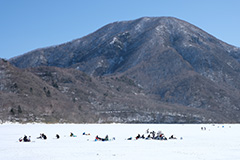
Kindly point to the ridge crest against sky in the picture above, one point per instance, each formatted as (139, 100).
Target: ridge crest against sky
(27, 25)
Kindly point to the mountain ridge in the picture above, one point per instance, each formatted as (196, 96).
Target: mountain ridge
(168, 58)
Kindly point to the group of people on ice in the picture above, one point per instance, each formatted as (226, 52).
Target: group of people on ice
(147, 136)
(152, 135)
(42, 136)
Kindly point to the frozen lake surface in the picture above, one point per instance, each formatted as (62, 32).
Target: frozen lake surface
(217, 142)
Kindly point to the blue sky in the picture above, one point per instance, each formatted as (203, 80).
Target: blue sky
(26, 25)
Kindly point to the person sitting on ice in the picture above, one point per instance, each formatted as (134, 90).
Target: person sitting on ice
(106, 138)
(72, 135)
(25, 139)
(98, 138)
(138, 136)
(57, 136)
(159, 133)
(143, 137)
(86, 134)
(162, 137)
(172, 137)
(153, 134)
(44, 136)
(148, 137)
(130, 138)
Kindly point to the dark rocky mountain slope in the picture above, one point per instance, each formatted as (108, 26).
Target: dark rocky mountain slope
(53, 95)
(169, 59)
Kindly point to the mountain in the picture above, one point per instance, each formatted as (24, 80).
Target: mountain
(169, 59)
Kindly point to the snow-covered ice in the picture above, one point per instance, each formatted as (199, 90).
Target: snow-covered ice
(219, 141)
